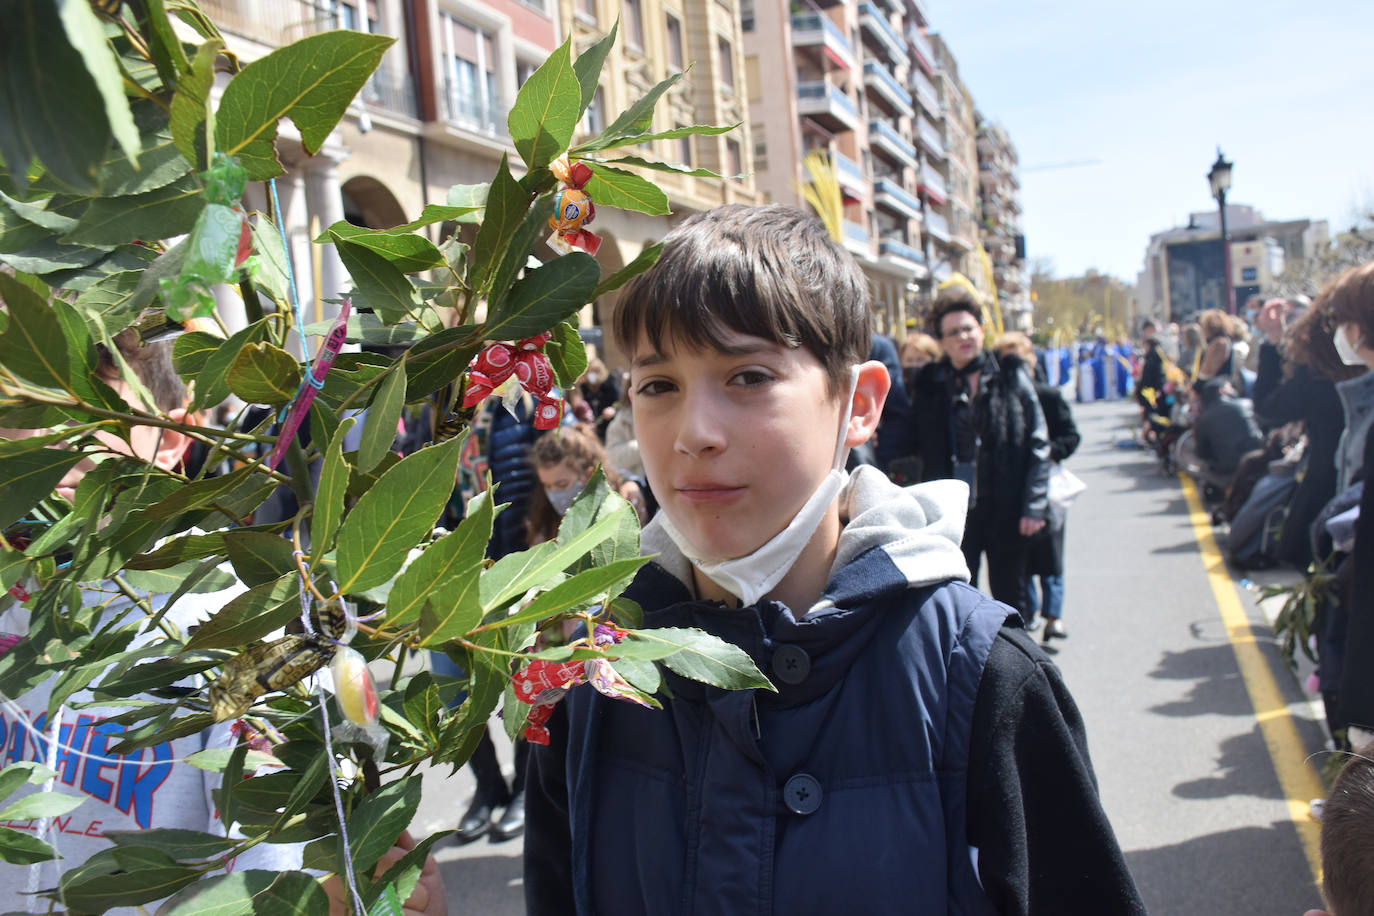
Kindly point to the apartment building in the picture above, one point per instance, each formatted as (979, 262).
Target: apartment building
(835, 76)
(952, 222)
(657, 38)
(1000, 229)
(434, 115)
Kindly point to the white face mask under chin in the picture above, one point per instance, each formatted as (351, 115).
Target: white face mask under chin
(1348, 352)
(754, 575)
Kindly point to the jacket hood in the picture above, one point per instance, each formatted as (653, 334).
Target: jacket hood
(918, 528)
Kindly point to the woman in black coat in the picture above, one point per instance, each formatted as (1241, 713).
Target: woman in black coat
(1298, 372)
(1046, 558)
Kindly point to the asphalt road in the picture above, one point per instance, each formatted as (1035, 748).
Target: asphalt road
(1184, 770)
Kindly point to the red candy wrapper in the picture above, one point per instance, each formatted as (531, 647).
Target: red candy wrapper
(535, 372)
(542, 683)
(536, 342)
(548, 413)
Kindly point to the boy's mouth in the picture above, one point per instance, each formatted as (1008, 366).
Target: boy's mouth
(709, 492)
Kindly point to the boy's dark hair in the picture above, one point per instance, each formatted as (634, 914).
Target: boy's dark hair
(151, 362)
(1348, 840)
(949, 300)
(771, 272)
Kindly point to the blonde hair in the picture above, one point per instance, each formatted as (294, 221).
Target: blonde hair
(919, 344)
(1024, 348)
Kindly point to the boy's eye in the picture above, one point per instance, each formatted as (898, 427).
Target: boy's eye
(653, 387)
(751, 377)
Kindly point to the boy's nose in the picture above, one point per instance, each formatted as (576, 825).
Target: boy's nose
(700, 430)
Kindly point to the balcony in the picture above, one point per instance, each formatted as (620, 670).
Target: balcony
(856, 239)
(885, 139)
(885, 86)
(921, 50)
(932, 185)
(926, 93)
(485, 116)
(873, 22)
(936, 226)
(815, 30)
(828, 105)
(890, 194)
(896, 252)
(850, 175)
(928, 136)
(390, 92)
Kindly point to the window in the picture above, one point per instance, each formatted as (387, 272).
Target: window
(470, 86)
(634, 25)
(734, 159)
(348, 15)
(760, 148)
(594, 121)
(586, 9)
(727, 64)
(673, 27)
(523, 71)
(746, 15)
(684, 150)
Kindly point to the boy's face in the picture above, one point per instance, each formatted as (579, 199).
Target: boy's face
(735, 439)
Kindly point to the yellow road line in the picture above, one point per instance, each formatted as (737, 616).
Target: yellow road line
(1297, 779)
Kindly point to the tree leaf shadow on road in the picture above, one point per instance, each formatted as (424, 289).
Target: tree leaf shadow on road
(1243, 870)
(1188, 546)
(1242, 769)
(1219, 689)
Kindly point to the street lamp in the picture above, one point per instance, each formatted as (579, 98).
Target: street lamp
(1220, 180)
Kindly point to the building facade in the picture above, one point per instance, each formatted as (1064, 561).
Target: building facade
(1184, 271)
(1000, 227)
(835, 77)
(434, 114)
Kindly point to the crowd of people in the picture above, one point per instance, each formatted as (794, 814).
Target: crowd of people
(1273, 417)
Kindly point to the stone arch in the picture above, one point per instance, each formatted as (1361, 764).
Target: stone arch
(367, 202)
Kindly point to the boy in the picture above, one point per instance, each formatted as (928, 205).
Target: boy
(152, 788)
(1348, 841)
(918, 756)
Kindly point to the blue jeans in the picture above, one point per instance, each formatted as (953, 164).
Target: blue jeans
(1052, 588)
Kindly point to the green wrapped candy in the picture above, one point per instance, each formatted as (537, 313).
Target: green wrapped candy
(219, 243)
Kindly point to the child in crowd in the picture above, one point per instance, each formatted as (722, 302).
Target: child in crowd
(919, 752)
(564, 462)
(1348, 842)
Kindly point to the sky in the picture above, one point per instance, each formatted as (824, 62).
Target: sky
(1150, 90)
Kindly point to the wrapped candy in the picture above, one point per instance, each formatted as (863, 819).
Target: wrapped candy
(572, 209)
(509, 369)
(543, 683)
(355, 692)
(219, 243)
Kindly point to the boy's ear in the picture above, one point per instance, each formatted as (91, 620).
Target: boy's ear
(869, 395)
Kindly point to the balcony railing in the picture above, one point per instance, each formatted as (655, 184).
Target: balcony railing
(899, 248)
(822, 98)
(930, 138)
(271, 22)
(385, 89)
(816, 29)
(882, 135)
(887, 86)
(926, 93)
(872, 19)
(848, 172)
(933, 184)
(936, 226)
(891, 194)
(478, 114)
(920, 45)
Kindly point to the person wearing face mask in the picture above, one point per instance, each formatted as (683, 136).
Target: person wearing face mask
(601, 390)
(916, 746)
(563, 462)
(1349, 301)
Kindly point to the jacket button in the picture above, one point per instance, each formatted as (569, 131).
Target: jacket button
(791, 664)
(802, 794)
